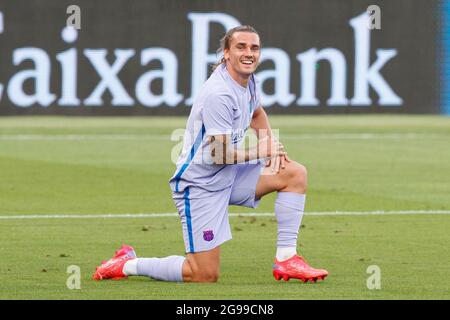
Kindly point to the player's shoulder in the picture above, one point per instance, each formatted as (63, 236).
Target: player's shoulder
(217, 83)
(216, 88)
(218, 95)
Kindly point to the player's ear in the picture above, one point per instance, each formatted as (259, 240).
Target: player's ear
(226, 54)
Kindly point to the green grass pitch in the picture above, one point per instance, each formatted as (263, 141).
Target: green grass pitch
(90, 166)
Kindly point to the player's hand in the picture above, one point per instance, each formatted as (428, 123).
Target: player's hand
(269, 147)
(281, 163)
(278, 161)
(283, 160)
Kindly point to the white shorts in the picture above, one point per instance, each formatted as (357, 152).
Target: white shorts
(204, 214)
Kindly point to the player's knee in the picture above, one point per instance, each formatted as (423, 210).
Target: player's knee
(299, 177)
(302, 176)
(204, 274)
(211, 276)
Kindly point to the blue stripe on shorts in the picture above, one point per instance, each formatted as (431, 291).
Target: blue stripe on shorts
(187, 205)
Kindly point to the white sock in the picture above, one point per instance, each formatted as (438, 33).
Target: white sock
(285, 253)
(165, 269)
(289, 208)
(130, 267)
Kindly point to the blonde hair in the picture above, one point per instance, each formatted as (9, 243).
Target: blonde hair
(225, 42)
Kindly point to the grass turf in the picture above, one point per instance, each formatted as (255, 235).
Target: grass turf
(60, 165)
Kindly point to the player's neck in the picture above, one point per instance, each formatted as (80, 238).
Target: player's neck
(239, 78)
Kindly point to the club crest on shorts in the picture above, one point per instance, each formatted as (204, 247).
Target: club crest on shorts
(208, 235)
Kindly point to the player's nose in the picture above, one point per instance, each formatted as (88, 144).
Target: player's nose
(248, 55)
(248, 51)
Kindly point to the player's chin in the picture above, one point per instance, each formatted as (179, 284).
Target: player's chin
(248, 70)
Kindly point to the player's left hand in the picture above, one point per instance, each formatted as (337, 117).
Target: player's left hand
(278, 162)
(283, 160)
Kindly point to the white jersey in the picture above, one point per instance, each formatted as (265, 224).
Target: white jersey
(222, 106)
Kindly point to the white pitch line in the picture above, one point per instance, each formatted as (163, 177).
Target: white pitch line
(173, 214)
(162, 137)
(81, 137)
(361, 136)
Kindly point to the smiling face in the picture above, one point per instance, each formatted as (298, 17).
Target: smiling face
(242, 56)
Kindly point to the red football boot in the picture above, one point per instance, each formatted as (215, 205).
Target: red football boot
(112, 269)
(296, 267)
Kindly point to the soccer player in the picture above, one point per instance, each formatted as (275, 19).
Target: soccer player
(214, 171)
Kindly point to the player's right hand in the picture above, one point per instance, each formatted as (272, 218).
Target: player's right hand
(275, 152)
(268, 147)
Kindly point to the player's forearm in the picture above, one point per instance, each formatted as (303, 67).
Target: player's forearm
(224, 152)
(233, 155)
(245, 155)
